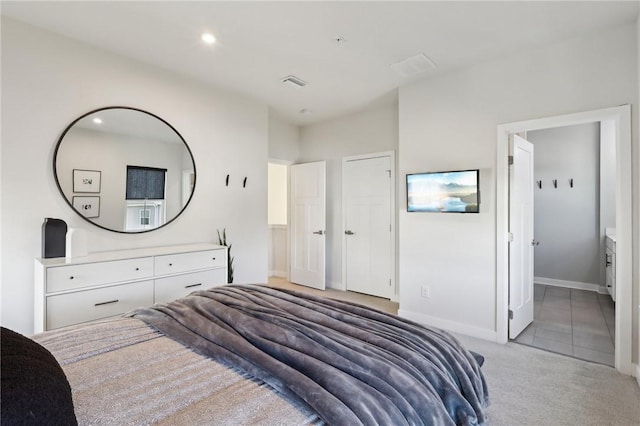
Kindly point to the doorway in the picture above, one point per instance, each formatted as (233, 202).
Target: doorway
(572, 313)
(621, 116)
(278, 218)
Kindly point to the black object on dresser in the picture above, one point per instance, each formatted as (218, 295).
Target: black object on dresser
(54, 235)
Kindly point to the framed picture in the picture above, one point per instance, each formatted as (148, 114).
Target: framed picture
(87, 206)
(86, 181)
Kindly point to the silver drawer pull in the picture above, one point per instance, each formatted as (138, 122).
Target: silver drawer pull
(213, 258)
(137, 269)
(71, 277)
(192, 285)
(171, 264)
(107, 303)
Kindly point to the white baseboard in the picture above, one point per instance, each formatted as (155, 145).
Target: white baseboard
(279, 274)
(569, 284)
(449, 325)
(335, 285)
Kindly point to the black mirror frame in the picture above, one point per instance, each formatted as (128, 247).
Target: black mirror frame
(55, 172)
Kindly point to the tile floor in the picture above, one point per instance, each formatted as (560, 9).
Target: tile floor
(573, 322)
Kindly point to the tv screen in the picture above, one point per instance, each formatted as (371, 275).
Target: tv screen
(444, 192)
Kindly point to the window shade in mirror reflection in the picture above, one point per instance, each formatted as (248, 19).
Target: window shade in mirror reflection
(144, 167)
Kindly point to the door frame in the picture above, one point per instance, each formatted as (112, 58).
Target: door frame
(621, 115)
(392, 195)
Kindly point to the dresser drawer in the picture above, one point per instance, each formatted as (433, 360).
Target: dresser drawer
(91, 274)
(89, 305)
(185, 262)
(175, 287)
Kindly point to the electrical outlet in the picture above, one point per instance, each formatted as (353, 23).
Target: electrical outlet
(425, 291)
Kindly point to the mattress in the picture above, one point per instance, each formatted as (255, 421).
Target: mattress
(123, 372)
(252, 355)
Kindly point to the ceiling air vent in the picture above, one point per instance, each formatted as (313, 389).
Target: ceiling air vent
(414, 65)
(294, 81)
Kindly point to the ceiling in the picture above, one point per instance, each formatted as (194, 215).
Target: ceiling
(259, 43)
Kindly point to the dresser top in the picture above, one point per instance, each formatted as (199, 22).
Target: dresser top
(105, 256)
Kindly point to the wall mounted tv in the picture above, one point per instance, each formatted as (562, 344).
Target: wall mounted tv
(455, 191)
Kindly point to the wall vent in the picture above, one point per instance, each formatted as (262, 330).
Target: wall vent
(294, 81)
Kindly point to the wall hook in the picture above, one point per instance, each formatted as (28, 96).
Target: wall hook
(244, 182)
(555, 183)
(539, 183)
(226, 182)
(571, 182)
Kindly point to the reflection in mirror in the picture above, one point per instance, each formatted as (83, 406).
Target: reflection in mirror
(124, 169)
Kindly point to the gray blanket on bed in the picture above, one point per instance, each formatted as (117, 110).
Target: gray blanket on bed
(350, 364)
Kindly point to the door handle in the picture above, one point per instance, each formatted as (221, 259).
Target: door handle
(320, 232)
(535, 243)
(348, 232)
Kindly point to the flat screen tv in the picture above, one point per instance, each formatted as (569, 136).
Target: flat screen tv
(444, 192)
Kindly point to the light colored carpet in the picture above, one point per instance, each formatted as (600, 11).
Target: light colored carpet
(532, 387)
(528, 386)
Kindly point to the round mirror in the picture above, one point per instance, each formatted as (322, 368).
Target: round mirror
(124, 169)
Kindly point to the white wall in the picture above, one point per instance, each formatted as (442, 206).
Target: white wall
(450, 122)
(372, 130)
(284, 139)
(636, 207)
(48, 81)
(566, 219)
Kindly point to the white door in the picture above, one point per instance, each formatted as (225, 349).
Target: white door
(521, 236)
(367, 233)
(307, 196)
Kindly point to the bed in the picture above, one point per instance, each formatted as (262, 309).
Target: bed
(250, 354)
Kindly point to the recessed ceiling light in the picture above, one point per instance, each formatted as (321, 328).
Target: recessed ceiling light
(97, 120)
(208, 38)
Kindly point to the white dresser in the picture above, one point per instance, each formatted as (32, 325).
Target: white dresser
(105, 284)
